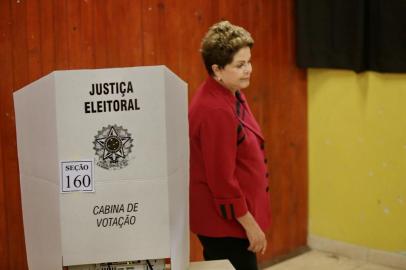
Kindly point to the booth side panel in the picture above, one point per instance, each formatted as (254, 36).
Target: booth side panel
(176, 113)
(36, 129)
(179, 213)
(37, 152)
(178, 168)
(41, 223)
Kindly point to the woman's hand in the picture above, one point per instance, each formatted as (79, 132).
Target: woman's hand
(255, 235)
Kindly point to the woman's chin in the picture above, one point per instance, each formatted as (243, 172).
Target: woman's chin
(244, 84)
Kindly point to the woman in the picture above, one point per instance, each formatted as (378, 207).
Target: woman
(229, 202)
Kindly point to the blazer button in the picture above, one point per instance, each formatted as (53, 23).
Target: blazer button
(263, 145)
(265, 160)
(267, 189)
(267, 175)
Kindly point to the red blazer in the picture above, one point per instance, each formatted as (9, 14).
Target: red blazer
(228, 172)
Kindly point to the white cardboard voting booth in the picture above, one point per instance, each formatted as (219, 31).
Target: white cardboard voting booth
(103, 158)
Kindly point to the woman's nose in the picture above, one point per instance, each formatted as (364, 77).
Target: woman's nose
(248, 68)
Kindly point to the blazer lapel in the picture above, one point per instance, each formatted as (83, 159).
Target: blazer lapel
(248, 121)
(252, 126)
(231, 100)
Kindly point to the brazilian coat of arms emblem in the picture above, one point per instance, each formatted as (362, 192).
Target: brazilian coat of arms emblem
(113, 145)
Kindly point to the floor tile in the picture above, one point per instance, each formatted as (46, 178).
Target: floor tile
(316, 260)
(370, 266)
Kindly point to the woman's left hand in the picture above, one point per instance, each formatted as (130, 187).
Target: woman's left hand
(256, 236)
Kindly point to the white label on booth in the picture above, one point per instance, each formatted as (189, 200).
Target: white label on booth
(77, 176)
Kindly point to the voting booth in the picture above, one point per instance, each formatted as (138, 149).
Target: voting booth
(103, 158)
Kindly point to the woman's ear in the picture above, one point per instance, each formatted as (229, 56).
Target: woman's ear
(216, 71)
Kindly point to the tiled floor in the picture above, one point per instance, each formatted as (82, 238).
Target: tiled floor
(316, 260)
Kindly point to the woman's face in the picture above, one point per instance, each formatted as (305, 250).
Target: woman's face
(236, 75)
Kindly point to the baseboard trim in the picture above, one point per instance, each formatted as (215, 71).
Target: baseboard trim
(357, 252)
(298, 251)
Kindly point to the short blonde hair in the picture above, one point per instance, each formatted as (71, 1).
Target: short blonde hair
(222, 42)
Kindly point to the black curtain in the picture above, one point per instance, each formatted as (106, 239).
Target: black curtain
(352, 34)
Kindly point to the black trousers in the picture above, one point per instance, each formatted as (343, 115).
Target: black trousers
(233, 249)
